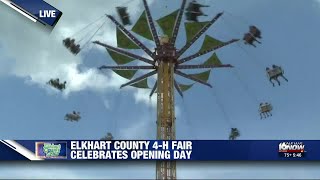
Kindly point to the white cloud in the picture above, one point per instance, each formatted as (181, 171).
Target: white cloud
(142, 96)
(40, 57)
(77, 81)
(106, 104)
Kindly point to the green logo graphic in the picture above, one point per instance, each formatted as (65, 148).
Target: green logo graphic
(51, 150)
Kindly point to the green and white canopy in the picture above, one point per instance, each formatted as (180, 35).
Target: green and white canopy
(166, 23)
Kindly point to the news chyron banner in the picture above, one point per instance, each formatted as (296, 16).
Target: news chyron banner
(240, 150)
(37, 11)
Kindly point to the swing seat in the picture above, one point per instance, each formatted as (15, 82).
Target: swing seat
(266, 108)
(255, 31)
(191, 16)
(71, 46)
(195, 7)
(56, 84)
(74, 116)
(273, 73)
(67, 42)
(124, 16)
(249, 38)
(75, 49)
(126, 21)
(193, 11)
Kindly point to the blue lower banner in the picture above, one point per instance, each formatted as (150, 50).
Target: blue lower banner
(195, 150)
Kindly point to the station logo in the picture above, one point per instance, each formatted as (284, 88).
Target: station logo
(291, 147)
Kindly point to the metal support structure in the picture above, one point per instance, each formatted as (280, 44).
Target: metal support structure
(126, 67)
(192, 78)
(139, 78)
(198, 35)
(153, 89)
(131, 36)
(125, 53)
(204, 66)
(198, 54)
(176, 85)
(165, 116)
(151, 24)
(166, 63)
(177, 24)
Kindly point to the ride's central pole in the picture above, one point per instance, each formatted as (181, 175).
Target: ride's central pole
(165, 115)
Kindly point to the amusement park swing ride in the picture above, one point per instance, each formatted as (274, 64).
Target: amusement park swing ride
(166, 62)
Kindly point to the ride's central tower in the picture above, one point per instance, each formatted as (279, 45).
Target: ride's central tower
(166, 62)
(165, 104)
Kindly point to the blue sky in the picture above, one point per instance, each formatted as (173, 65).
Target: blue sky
(31, 110)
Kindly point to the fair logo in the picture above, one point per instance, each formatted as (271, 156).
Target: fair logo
(51, 150)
